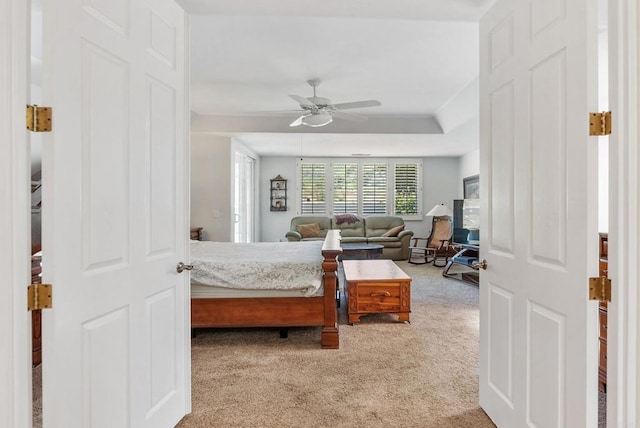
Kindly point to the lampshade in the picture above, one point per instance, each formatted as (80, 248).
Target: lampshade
(440, 210)
(317, 119)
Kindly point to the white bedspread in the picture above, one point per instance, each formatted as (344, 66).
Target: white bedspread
(258, 266)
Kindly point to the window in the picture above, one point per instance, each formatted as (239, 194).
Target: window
(362, 187)
(312, 188)
(345, 188)
(406, 189)
(374, 188)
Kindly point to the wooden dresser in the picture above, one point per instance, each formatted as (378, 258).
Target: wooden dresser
(36, 315)
(602, 367)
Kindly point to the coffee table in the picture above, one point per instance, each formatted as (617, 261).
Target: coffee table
(375, 286)
(355, 251)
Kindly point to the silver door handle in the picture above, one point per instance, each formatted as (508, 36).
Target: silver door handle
(181, 267)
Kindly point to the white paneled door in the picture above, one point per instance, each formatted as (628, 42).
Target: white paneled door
(115, 344)
(538, 331)
(15, 245)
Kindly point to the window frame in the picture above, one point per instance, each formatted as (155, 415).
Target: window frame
(299, 210)
(361, 191)
(419, 189)
(334, 193)
(390, 165)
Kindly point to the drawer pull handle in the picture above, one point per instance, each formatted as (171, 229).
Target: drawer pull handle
(380, 293)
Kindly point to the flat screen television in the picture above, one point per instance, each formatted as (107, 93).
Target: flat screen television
(466, 221)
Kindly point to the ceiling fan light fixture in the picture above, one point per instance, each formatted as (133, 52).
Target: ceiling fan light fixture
(317, 119)
(318, 111)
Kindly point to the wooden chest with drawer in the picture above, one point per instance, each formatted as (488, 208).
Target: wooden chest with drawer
(376, 286)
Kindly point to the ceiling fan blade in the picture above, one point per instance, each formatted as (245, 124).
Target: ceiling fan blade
(357, 104)
(276, 112)
(348, 116)
(302, 101)
(298, 121)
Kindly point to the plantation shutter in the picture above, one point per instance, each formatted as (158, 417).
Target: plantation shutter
(345, 188)
(312, 188)
(374, 188)
(406, 189)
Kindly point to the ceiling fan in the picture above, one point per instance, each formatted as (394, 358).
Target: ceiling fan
(318, 111)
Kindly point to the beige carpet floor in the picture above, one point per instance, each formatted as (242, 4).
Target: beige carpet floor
(386, 373)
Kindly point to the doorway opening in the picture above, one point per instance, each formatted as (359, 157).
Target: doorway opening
(35, 143)
(603, 204)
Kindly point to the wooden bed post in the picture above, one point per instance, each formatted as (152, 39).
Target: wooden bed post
(330, 338)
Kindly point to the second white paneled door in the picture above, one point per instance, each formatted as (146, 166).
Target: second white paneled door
(538, 331)
(115, 345)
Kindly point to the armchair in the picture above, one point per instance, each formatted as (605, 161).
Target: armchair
(436, 246)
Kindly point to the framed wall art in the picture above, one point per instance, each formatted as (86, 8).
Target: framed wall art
(471, 186)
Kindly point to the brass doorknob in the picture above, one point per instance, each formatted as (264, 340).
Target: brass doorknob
(480, 265)
(182, 267)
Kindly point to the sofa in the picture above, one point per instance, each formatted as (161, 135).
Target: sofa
(353, 229)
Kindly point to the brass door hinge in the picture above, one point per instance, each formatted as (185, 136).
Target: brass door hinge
(600, 289)
(39, 296)
(600, 123)
(38, 118)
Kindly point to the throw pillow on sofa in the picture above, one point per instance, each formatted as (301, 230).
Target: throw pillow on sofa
(311, 230)
(394, 231)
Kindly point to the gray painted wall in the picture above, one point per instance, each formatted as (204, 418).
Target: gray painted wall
(212, 192)
(440, 186)
(273, 225)
(469, 165)
(211, 186)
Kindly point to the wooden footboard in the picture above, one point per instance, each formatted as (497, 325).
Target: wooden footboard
(280, 311)
(257, 312)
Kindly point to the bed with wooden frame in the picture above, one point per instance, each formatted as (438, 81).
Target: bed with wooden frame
(280, 311)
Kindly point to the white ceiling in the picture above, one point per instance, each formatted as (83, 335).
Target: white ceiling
(419, 58)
